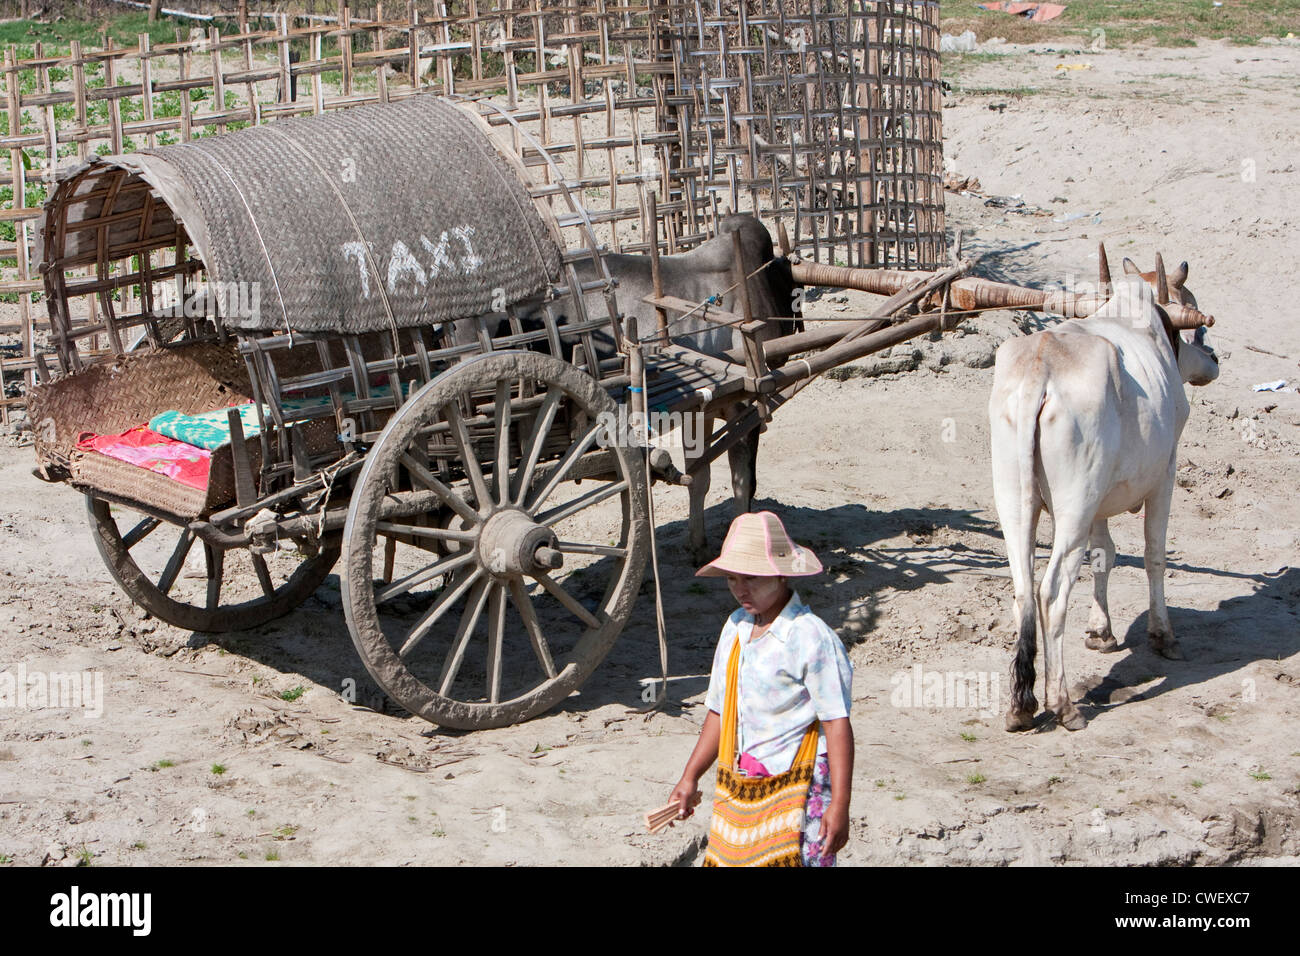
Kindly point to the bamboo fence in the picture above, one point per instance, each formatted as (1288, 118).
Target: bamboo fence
(823, 113)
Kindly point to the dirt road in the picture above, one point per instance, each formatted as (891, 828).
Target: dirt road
(1191, 152)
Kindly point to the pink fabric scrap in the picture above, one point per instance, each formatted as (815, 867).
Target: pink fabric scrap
(158, 453)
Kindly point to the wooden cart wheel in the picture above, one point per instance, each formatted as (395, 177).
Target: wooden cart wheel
(535, 575)
(188, 583)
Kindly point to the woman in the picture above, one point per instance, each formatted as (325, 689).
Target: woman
(790, 671)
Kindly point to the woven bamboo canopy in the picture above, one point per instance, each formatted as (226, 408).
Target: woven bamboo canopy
(386, 216)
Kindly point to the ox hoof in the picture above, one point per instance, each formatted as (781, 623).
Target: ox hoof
(1019, 720)
(1072, 719)
(1100, 642)
(1166, 647)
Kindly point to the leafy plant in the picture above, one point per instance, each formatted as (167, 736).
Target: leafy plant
(293, 693)
(975, 778)
(218, 769)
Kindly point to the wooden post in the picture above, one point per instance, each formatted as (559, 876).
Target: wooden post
(661, 314)
(755, 363)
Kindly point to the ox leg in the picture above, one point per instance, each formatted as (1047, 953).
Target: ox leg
(1102, 547)
(1053, 601)
(743, 459)
(698, 491)
(1160, 632)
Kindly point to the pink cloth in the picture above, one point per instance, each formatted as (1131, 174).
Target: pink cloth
(158, 453)
(752, 767)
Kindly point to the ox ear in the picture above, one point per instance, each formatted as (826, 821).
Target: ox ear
(1179, 277)
(1131, 268)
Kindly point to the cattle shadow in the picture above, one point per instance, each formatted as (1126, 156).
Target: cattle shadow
(1261, 626)
(313, 642)
(862, 557)
(851, 541)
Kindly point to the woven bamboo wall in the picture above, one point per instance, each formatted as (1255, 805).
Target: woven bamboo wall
(825, 112)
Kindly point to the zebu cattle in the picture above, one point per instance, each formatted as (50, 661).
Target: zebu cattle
(694, 276)
(703, 272)
(1085, 422)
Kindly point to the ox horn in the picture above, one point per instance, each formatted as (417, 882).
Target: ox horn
(783, 238)
(1162, 281)
(1103, 270)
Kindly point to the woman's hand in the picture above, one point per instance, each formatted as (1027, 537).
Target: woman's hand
(839, 753)
(701, 759)
(835, 827)
(683, 795)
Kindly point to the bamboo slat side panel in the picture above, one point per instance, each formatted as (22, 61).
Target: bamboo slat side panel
(827, 114)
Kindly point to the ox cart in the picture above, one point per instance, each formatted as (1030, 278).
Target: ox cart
(410, 379)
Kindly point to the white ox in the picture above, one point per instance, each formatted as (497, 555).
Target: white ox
(1085, 421)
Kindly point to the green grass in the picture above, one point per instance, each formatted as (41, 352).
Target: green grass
(1197, 784)
(85, 856)
(162, 765)
(1172, 23)
(1260, 775)
(218, 769)
(123, 28)
(969, 738)
(293, 693)
(975, 779)
(272, 855)
(1053, 779)
(138, 845)
(5, 858)
(286, 831)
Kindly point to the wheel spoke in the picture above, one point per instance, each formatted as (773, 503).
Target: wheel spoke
(595, 496)
(496, 639)
(176, 561)
(449, 497)
(568, 600)
(460, 436)
(424, 531)
(440, 606)
(545, 416)
(216, 565)
(390, 556)
(468, 621)
(575, 452)
(524, 605)
(442, 566)
(139, 532)
(263, 574)
(501, 471)
(578, 547)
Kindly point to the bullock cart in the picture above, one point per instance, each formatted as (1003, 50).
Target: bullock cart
(405, 377)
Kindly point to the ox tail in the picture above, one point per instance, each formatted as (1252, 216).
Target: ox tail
(1023, 675)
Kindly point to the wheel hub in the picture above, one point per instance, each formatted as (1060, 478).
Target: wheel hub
(512, 543)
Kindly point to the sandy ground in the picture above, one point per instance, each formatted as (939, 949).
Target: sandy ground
(1191, 152)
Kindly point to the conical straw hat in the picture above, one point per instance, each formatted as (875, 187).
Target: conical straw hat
(757, 545)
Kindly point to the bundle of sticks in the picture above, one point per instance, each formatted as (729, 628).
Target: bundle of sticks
(661, 819)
